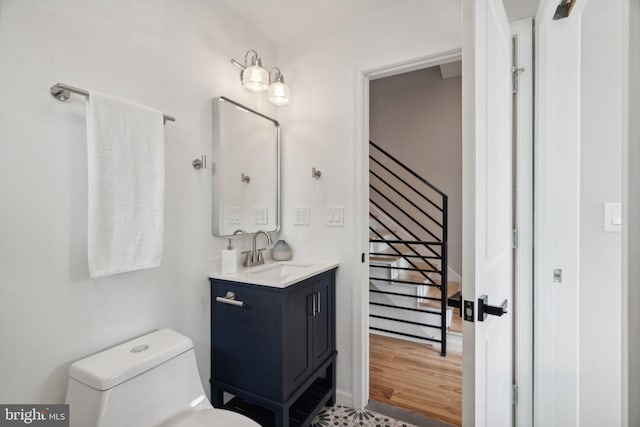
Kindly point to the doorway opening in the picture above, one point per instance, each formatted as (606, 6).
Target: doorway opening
(522, 389)
(415, 244)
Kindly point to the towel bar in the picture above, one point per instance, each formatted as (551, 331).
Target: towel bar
(62, 92)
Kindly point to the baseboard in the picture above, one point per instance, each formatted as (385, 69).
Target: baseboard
(453, 276)
(344, 398)
(404, 415)
(454, 342)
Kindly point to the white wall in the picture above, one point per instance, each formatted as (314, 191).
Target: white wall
(634, 214)
(557, 175)
(320, 129)
(169, 54)
(416, 117)
(600, 181)
(578, 168)
(174, 56)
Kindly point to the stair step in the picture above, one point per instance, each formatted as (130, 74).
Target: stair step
(378, 264)
(413, 276)
(384, 258)
(452, 288)
(386, 251)
(395, 260)
(379, 246)
(389, 251)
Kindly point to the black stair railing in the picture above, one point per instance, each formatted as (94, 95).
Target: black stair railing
(408, 216)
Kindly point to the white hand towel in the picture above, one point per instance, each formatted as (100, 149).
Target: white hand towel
(126, 185)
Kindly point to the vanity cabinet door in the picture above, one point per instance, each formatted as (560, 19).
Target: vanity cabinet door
(323, 321)
(298, 323)
(246, 342)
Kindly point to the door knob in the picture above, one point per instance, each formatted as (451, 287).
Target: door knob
(484, 309)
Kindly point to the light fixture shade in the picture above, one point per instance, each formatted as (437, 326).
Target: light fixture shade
(279, 93)
(255, 79)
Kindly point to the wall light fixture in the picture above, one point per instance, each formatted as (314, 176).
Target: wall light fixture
(279, 93)
(256, 79)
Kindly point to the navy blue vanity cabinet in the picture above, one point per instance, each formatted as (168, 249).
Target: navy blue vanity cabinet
(324, 337)
(274, 349)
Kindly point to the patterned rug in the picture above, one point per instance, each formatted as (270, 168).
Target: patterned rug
(343, 416)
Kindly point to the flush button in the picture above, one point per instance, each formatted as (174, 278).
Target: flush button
(140, 348)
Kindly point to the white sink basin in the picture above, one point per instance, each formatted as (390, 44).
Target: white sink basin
(278, 274)
(278, 271)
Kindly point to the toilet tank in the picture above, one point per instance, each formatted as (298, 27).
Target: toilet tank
(142, 382)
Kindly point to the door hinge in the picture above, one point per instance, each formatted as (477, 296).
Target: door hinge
(515, 77)
(514, 238)
(362, 257)
(515, 394)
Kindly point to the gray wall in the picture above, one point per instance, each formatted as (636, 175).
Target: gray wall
(417, 118)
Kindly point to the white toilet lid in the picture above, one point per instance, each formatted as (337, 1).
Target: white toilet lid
(217, 417)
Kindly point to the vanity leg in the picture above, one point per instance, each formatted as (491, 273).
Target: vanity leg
(331, 374)
(217, 396)
(282, 417)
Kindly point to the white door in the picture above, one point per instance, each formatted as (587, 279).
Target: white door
(487, 211)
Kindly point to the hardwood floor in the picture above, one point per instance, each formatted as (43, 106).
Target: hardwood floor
(415, 377)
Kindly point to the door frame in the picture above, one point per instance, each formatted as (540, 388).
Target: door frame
(364, 73)
(523, 291)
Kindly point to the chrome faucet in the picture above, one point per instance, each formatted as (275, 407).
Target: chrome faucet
(255, 257)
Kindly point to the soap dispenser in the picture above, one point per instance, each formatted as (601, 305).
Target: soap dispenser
(229, 259)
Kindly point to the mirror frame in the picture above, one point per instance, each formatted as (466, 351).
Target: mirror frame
(217, 190)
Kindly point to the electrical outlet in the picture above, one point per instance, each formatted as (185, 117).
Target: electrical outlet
(302, 215)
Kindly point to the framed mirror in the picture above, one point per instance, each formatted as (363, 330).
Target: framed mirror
(246, 169)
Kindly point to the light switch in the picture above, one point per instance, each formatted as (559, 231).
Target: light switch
(335, 216)
(617, 218)
(261, 215)
(612, 217)
(302, 215)
(235, 215)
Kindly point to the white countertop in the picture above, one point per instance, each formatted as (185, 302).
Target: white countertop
(277, 274)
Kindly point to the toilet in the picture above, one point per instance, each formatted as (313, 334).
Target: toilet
(150, 381)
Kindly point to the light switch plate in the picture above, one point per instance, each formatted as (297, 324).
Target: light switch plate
(302, 215)
(335, 216)
(261, 215)
(612, 217)
(235, 215)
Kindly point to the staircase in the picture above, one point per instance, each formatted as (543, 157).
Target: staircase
(408, 267)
